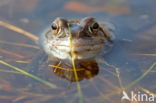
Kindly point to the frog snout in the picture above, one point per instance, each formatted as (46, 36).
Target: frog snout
(75, 30)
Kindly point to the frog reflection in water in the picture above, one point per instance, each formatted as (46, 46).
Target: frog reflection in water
(88, 40)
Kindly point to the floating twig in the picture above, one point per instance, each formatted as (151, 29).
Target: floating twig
(19, 30)
(11, 53)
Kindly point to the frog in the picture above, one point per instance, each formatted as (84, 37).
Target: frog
(88, 39)
(87, 36)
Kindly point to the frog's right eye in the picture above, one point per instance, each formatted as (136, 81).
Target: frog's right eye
(54, 28)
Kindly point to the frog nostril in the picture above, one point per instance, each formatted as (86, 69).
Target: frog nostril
(74, 29)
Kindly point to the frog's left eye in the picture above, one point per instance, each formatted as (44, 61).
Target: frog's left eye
(94, 27)
(54, 28)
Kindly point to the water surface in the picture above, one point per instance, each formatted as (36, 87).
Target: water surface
(133, 52)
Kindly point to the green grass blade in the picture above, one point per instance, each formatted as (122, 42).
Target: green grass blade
(74, 68)
(29, 75)
(143, 75)
(8, 71)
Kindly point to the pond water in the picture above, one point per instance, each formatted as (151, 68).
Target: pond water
(133, 52)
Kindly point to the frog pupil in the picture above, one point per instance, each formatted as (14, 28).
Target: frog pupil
(53, 26)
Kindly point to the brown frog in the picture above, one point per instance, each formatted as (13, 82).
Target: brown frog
(88, 40)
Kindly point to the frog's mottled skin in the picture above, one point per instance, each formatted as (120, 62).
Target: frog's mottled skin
(88, 38)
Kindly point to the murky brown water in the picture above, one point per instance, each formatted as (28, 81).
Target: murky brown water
(133, 53)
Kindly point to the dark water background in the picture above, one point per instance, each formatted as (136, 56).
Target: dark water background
(135, 22)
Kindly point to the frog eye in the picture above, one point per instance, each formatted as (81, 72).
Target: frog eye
(94, 27)
(54, 28)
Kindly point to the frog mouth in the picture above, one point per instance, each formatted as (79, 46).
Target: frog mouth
(79, 44)
(82, 48)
